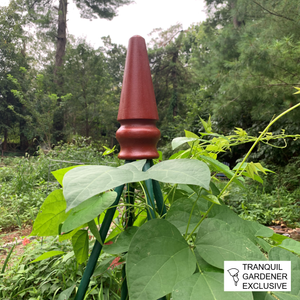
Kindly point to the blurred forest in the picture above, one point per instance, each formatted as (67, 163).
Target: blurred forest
(240, 67)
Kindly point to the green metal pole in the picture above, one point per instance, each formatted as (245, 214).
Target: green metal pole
(129, 196)
(89, 270)
(149, 192)
(124, 288)
(130, 200)
(159, 198)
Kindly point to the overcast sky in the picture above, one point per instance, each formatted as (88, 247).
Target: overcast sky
(139, 18)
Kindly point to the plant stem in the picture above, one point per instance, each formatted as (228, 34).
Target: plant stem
(245, 158)
(188, 225)
(254, 144)
(198, 224)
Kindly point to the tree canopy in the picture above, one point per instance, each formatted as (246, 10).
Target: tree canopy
(240, 67)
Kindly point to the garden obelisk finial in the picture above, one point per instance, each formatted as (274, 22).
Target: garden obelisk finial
(138, 135)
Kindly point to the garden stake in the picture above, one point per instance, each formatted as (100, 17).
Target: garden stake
(138, 137)
(149, 192)
(130, 200)
(89, 270)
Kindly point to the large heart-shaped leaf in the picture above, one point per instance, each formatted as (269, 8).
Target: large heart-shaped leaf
(183, 171)
(286, 296)
(291, 245)
(237, 224)
(217, 242)
(85, 182)
(182, 212)
(208, 286)
(278, 254)
(88, 210)
(51, 214)
(157, 259)
(262, 296)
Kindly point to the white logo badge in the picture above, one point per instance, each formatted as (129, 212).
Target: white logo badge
(243, 276)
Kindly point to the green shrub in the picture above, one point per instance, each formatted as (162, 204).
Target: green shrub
(256, 205)
(46, 279)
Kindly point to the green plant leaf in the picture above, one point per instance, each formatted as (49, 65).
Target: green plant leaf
(262, 296)
(247, 228)
(51, 214)
(278, 238)
(83, 183)
(48, 255)
(102, 216)
(139, 164)
(103, 266)
(204, 266)
(209, 285)
(207, 125)
(158, 258)
(117, 230)
(65, 295)
(68, 235)
(264, 232)
(216, 242)
(121, 242)
(59, 174)
(80, 242)
(181, 154)
(211, 198)
(286, 296)
(222, 168)
(182, 140)
(291, 245)
(7, 258)
(179, 214)
(94, 230)
(190, 134)
(88, 210)
(278, 254)
(183, 171)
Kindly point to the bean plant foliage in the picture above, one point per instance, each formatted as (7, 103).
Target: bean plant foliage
(179, 254)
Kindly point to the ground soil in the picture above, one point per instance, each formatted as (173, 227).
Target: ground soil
(284, 230)
(12, 235)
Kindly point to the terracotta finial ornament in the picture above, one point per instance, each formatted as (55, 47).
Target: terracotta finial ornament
(138, 135)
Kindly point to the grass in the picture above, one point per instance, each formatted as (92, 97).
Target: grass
(254, 204)
(26, 181)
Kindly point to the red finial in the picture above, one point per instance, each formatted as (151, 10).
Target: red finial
(138, 135)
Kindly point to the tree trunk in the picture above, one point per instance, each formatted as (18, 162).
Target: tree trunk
(175, 84)
(87, 127)
(4, 145)
(61, 40)
(237, 24)
(23, 139)
(58, 118)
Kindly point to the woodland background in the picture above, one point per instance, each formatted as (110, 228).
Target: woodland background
(240, 67)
